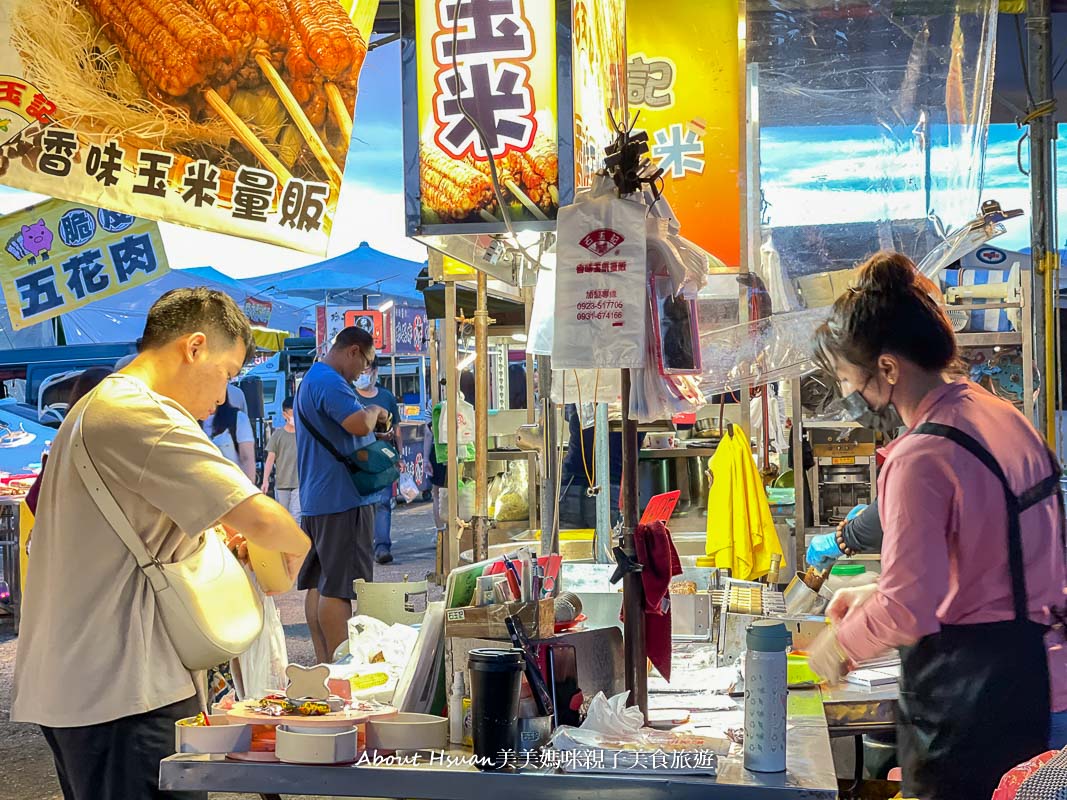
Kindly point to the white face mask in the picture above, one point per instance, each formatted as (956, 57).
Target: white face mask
(364, 381)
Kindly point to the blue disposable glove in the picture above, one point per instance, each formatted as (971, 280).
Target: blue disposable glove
(855, 512)
(823, 551)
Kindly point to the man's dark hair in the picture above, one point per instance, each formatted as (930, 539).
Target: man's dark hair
(287, 403)
(353, 337)
(184, 311)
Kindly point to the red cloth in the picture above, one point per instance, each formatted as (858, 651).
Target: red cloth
(35, 490)
(1010, 783)
(655, 551)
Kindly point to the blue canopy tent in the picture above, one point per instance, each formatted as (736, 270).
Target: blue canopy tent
(350, 277)
(121, 318)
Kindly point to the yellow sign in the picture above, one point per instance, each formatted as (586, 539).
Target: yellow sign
(686, 81)
(191, 113)
(486, 87)
(843, 460)
(59, 256)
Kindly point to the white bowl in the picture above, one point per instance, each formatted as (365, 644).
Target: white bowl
(316, 748)
(407, 731)
(221, 736)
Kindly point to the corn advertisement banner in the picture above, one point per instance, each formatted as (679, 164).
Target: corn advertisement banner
(228, 115)
(685, 79)
(598, 69)
(59, 256)
(486, 83)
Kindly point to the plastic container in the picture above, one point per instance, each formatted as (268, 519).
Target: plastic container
(847, 576)
(766, 690)
(495, 678)
(221, 736)
(409, 731)
(310, 746)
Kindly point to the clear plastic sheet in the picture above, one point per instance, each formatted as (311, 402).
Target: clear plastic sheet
(873, 124)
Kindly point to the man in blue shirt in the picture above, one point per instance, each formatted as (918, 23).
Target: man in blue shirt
(339, 521)
(370, 392)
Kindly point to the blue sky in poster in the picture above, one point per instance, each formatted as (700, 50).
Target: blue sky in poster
(810, 176)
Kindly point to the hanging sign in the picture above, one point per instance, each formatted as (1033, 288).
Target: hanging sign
(688, 89)
(485, 74)
(409, 330)
(331, 320)
(257, 310)
(60, 256)
(175, 111)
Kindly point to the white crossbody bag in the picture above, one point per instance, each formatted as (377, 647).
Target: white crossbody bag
(208, 606)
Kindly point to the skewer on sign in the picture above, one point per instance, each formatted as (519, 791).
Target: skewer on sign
(520, 195)
(339, 110)
(303, 124)
(246, 137)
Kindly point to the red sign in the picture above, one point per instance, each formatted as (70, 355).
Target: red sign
(257, 311)
(660, 508)
(601, 241)
(371, 322)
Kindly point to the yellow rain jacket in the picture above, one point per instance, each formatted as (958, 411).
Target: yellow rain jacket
(741, 534)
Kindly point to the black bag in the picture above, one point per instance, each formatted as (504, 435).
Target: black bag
(372, 468)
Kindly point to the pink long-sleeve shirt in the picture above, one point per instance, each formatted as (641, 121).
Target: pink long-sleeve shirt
(945, 551)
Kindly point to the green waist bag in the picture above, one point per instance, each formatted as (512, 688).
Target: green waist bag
(372, 468)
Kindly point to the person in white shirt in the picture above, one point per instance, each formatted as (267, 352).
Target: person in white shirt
(231, 431)
(96, 668)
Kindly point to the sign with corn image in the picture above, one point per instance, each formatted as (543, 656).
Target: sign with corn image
(229, 115)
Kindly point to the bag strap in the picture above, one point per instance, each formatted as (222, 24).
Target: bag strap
(333, 451)
(1016, 565)
(105, 502)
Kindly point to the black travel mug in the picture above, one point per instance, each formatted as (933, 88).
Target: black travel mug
(496, 677)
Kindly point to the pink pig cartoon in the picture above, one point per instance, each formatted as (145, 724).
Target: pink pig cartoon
(37, 239)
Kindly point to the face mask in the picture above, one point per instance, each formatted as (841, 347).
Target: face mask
(363, 381)
(883, 420)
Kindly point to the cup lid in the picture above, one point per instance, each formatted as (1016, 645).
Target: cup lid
(767, 636)
(848, 569)
(494, 655)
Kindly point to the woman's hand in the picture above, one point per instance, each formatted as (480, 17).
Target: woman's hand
(845, 600)
(236, 544)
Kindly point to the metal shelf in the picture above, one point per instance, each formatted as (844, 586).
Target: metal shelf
(831, 425)
(1003, 339)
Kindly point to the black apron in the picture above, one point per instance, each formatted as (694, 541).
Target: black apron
(974, 699)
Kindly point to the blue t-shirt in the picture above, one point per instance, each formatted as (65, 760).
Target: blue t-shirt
(327, 400)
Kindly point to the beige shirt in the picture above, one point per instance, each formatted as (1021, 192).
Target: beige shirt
(92, 647)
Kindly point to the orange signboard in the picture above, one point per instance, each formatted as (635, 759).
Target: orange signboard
(686, 82)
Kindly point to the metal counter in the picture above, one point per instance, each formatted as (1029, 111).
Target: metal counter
(810, 775)
(854, 710)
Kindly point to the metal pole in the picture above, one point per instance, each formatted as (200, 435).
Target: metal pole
(480, 522)
(531, 415)
(549, 460)
(633, 591)
(602, 550)
(451, 551)
(1043, 246)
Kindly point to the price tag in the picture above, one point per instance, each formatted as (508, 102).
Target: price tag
(660, 508)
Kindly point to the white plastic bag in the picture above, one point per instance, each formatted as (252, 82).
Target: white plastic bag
(601, 294)
(513, 501)
(261, 668)
(407, 488)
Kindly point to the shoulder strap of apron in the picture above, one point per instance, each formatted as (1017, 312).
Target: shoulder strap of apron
(1016, 504)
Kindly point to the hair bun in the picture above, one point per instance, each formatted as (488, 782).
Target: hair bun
(887, 273)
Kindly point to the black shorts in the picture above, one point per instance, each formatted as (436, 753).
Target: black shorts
(119, 760)
(342, 551)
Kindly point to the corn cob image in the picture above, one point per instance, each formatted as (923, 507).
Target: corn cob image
(453, 189)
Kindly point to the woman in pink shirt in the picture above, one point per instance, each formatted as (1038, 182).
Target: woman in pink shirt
(973, 553)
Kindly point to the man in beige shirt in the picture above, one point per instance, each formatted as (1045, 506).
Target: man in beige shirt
(95, 667)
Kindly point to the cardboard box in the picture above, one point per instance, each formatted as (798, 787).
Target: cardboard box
(487, 622)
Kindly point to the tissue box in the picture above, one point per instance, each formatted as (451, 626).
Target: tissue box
(487, 622)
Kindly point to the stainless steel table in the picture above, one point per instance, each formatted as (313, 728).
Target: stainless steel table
(810, 775)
